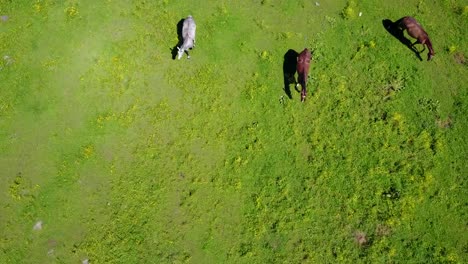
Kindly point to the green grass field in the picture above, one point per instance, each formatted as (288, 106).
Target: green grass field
(128, 156)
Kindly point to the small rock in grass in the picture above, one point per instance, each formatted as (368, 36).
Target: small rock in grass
(317, 3)
(8, 60)
(4, 18)
(38, 225)
(85, 261)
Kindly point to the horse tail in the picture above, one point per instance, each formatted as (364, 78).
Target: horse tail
(401, 23)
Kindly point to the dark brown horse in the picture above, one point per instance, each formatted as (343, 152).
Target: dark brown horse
(416, 31)
(302, 67)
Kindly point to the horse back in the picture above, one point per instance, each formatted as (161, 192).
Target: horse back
(303, 62)
(189, 27)
(414, 29)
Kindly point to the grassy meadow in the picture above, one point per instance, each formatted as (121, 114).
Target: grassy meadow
(113, 152)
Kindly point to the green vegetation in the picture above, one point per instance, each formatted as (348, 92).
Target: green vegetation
(128, 156)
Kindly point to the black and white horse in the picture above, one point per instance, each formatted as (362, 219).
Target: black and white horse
(188, 36)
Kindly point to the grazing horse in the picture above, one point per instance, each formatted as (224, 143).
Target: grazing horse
(302, 67)
(416, 31)
(188, 36)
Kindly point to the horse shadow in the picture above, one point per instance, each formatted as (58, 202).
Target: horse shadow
(289, 70)
(180, 38)
(397, 32)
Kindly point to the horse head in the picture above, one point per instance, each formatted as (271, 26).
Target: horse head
(303, 95)
(431, 52)
(430, 55)
(180, 53)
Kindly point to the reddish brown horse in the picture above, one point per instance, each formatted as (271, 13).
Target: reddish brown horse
(416, 31)
(302, 67)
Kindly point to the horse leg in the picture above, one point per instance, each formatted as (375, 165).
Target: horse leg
(417, 42)
(300, 79)
(297, 86)
(188, 55)
(424, 48)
